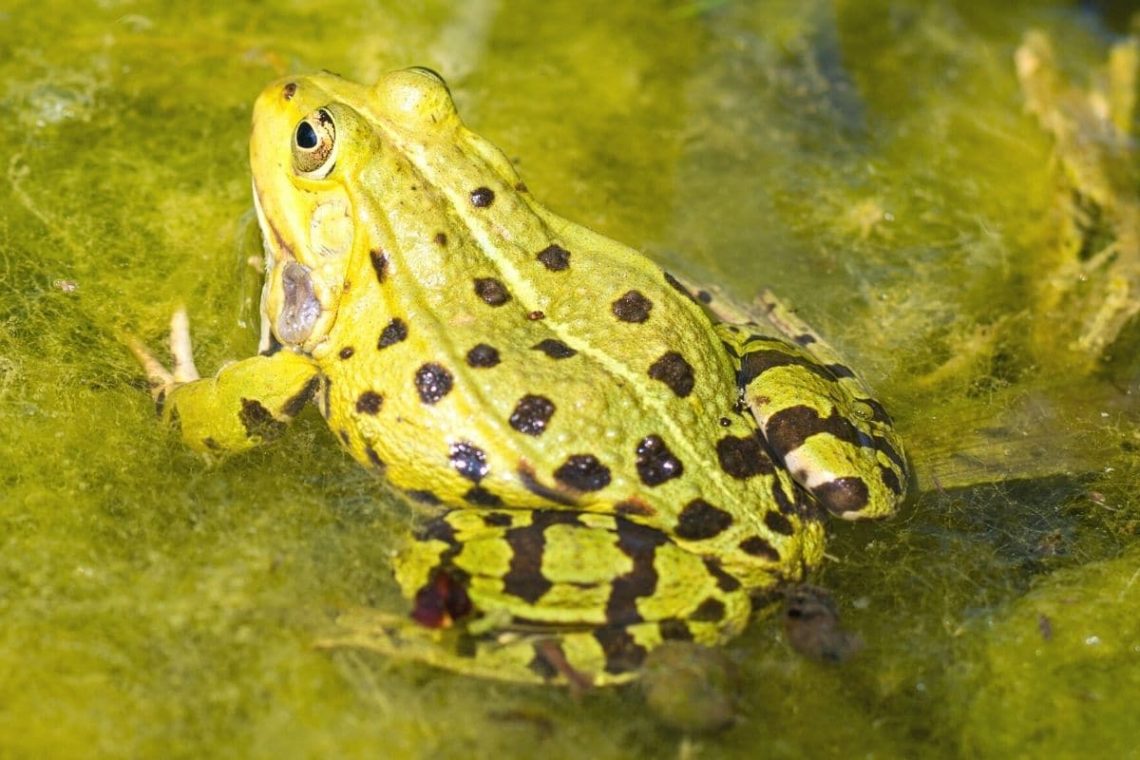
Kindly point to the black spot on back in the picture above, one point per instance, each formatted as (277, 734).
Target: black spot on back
(482, 355)
(433, 382)
(758, 547)
(700, 520)
(369, 402)
(554, 257)
(554, 348)
(374, 458)
(743, 457)
(379, 263)
(532, 414)
(480, 496)
(675, 372)
(440, 239)
(777, 523)
(346, 352)
(469, 460)
(583, 472)
(394, 332)
(632, 307)
(655, 462)
(482, 197)
(491, 291)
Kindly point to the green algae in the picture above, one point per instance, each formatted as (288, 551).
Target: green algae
(872, 161)
(1059, 667)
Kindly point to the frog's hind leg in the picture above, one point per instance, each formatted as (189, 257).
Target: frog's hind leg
(817, 415)
(602, 656)
(548, 596)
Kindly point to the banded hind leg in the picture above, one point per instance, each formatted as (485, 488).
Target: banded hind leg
(818, 416)
(548, 596)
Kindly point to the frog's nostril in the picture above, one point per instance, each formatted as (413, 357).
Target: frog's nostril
(289, 90)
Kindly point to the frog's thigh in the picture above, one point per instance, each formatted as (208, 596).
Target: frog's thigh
(836, 440)
(246, 403)
(565, 595)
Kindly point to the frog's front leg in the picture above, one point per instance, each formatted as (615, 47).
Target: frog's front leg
(835, 438)
(247, 403)
(548, 596)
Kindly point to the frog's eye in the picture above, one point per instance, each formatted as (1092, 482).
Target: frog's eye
(313, 143)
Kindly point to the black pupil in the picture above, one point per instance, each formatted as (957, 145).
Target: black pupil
(306, 136)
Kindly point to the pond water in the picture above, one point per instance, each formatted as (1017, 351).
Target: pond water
(879, 163)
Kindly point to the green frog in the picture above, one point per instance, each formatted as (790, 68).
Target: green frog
(613, 458)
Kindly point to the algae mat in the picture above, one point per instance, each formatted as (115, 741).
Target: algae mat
(884, 165)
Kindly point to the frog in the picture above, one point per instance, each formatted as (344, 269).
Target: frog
(607, 457)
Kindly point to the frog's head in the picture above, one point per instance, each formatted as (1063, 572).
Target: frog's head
(318, 161)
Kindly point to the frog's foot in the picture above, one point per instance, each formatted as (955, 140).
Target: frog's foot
(160, 379)
(834, 437)
(721, 307)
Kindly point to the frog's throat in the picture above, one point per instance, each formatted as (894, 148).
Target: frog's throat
(292, 308)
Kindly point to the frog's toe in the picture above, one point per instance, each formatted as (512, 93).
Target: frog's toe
(378, 631)
(158, 377)
(182, 348)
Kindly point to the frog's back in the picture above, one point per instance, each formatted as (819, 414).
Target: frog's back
(563, 351)
(488, 353)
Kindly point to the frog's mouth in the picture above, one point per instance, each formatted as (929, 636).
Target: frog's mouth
(291, 308)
